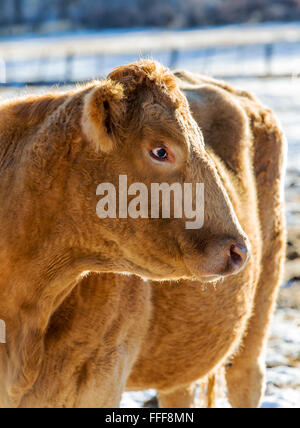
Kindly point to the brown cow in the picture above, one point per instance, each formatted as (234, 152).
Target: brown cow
(196, 329)
(186, 331)
(55, 150)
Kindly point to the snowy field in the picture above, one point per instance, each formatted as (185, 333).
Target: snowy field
(283, 95)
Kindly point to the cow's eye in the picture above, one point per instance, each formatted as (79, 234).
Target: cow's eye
(160, 154)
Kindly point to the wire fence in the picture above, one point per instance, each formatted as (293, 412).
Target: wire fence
(261, 51)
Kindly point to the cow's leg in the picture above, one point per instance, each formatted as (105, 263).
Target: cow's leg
(246, 377)
(182, 398)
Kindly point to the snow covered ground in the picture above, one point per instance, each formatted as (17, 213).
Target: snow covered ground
(284, 361)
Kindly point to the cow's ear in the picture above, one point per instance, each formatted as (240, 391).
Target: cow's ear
(103, 114)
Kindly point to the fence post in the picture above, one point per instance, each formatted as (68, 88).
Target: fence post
(2, 70)
(69, 67)
(174, 58)
(269, 51)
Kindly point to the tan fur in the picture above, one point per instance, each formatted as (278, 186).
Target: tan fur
(73, 342)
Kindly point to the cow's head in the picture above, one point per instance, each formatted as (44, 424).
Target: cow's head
(138, 125)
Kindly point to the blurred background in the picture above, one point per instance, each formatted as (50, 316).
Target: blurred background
(70, 40)
(254, 44)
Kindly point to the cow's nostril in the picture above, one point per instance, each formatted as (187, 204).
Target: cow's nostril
(239, 256)
(220, 258)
